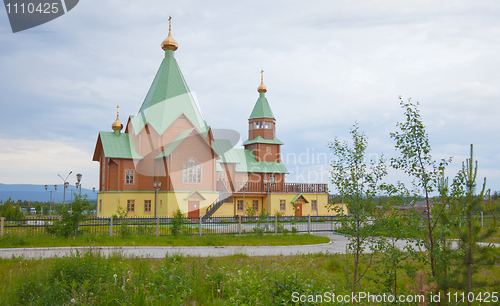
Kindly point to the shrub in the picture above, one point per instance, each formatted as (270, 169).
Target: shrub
(177, 223)
(69, 224)
(10, 211)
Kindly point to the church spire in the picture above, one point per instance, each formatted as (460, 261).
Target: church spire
(262, 108)
(262, 88)
(117, 126)
(169, 43)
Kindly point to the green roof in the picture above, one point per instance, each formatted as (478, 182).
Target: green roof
(261, 108)
(298, 196)
(244, 159)
(177, 140)
(224, 149)
(119, 146)
(168, 98)
(259, 139)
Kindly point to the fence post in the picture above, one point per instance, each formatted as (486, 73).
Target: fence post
(308, 224)
(275, 223)
(157, 226)
(1, 229)
(199, 225)
(482, 224)
(239, 224)
(111, 226)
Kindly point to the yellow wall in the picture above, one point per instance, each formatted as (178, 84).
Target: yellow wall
(169, 202)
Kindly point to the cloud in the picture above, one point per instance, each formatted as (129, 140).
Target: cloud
(327, 65)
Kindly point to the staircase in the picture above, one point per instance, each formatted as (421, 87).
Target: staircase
(215, 206)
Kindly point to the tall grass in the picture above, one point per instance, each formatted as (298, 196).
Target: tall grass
(92, 279)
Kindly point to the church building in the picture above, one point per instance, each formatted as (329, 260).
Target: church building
(167, 158)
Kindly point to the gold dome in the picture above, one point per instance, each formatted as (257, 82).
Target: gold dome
(262, 87)
(117, 125)
(169, 43)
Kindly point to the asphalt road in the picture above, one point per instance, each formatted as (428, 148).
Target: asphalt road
(337, 244)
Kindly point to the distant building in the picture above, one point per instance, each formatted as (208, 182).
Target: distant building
(169, 146)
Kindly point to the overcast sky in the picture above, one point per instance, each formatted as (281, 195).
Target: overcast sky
(328, 64)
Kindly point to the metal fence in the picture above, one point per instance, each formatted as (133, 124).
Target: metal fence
(164, 226)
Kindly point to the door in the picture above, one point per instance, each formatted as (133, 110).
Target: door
(299, 209)
(193, 209)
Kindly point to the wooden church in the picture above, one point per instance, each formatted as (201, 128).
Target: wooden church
(167, 158)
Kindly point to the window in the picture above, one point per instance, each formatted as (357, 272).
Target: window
(147, 206)
(268, 125)
(240, 205)
(268, 149)
(100, 205)
(251, 125)
(129, 177)
(256, 205)
(282, 205)
(314, 205)
(259, 125)
(192, 171)
(130, 205)
(222, 176)
(161, 203)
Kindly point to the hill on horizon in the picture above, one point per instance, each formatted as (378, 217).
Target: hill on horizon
(27, 192)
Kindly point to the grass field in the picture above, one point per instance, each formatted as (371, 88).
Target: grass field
(44, 240)
(91, 279)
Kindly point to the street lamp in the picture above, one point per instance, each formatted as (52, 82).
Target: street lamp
(244, 187)
(157, 186)
(78, 184)
(268, 187)
(50, 203)
(65, 185)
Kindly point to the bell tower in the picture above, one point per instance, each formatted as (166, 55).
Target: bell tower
(262, 129)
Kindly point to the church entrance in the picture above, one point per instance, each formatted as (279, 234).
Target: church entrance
(193, 209)
(299, 209)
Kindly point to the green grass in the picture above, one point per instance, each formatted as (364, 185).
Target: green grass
(92, 279)
(44, 240)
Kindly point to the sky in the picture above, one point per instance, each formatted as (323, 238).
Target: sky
(327, 65)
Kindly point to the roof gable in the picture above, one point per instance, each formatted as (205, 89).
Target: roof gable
(118, 145)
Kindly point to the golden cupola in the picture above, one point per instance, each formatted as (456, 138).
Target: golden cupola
(262, 87)
(117, 126)
(169, 43)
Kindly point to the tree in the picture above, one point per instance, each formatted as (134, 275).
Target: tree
(10, 211)
(38, 208)
(356, 181)
(415, 159)
(69, 225)
(471, 254)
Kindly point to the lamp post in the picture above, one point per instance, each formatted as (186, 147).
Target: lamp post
(78, 184)
(244, 187)
(96, 204)
(50, 203)
(157, 186)
(268, 187)
(65, 185)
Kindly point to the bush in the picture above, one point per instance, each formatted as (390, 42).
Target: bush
(69, 224)
(10, 212)
(177, 223)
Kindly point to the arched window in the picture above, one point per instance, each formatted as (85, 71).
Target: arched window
(192, 171)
